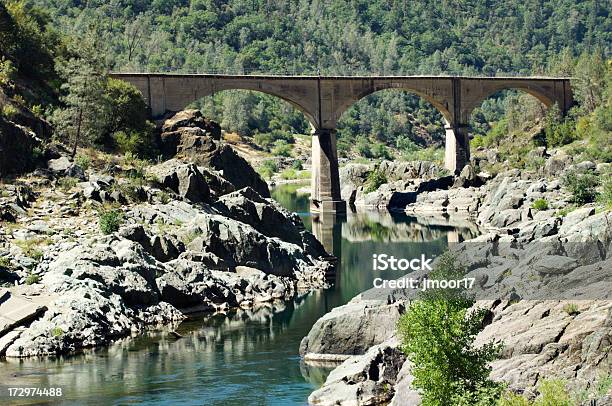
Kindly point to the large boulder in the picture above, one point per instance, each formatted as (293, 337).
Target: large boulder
(266, 216)
(351, 329)
(185, 179)
(233, 167)
(192, 119)
(189, 135)
(367, 379)
(17, 144)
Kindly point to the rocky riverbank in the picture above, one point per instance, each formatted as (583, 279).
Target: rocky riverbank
(541, 272)
(107, 246)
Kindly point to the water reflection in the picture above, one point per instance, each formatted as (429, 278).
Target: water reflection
(245, 356)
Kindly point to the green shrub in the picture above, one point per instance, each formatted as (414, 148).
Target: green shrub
(83, 161)
(110, 220)
(560, 134)
(552, 392)
(363, 148)
(67, 183)
(32, 279)
(5, 263)
(38, 111)
(540, 204)
(581, 185)
(297, 165)
(9, 111)
(380, 151)
(438, 333)
(406, 145)
(571, 309)
(497, 133)
(268, 168)
(605, 197)
(565, 211)
(164, 197)
(134, 142)
(7, 71)
(282, 148)
(57, 332)
(431, 154)
(289, 173)
(477, 142)
(375, 179)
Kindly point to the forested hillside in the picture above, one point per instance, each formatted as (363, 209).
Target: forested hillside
(488, 37)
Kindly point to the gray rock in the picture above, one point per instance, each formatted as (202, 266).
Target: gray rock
(367, 379)
(352, 328)
(184, 179)
(59, 165)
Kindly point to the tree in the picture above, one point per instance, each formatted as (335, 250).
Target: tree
(128, 110)
(438, 333)
(589, 82)
(84, 117)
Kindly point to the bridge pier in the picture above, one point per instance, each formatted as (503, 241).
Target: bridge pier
(325, 178)
(457, 149)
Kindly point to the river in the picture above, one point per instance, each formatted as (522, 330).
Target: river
(245, 357)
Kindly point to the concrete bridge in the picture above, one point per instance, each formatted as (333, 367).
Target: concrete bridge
(323, 99)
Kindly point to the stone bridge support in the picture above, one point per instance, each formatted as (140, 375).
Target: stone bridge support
(325, 179)
(323, 99)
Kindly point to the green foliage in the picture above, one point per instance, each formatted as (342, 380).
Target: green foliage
(57, 332)
(289, 174)
(297, 165)
(380, 151)
(268, 168)
(28, 41)
(7, 71)
(566, 210)
(431, 154)
(282, 148)
(581, 185)
(9, 111)
(83, 161)
(127, 110)
(67, 183)
(133, 142)
(32, 279)
(571, 309)
(5, 263)
(558, 131)
(110, 220)
(438, 336)
(497, 133)
(375, 179)
(83, 120)
(540, 204)
(363, 148)
(605, 197)
(552, 392)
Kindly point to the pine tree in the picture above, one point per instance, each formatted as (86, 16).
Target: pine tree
(85, 114)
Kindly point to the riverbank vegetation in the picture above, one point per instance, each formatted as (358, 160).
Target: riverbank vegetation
(438, 333)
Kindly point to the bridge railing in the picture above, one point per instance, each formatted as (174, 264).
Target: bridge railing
(326, 72)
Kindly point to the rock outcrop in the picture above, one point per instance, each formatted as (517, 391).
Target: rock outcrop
(191, 136)
(183, 238)
(17, 145)
(541, 274)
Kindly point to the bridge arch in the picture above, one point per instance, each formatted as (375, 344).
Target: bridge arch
(476, 91)
(440, 105)
(295, 102)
